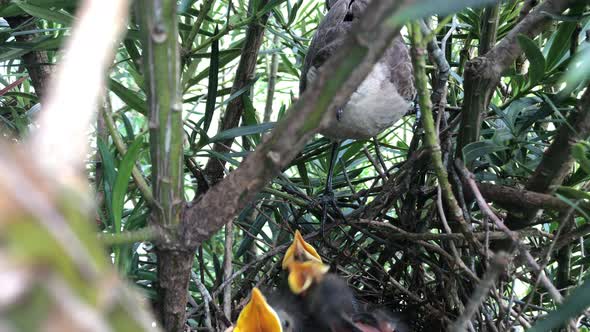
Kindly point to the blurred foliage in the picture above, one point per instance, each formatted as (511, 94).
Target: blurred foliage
(533, 98)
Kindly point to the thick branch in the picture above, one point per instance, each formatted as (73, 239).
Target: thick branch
(337, 79)
(244, 75)
(513, 198)
(483, 73)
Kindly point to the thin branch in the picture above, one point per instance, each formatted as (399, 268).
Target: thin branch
(400, 234)
(497, 266)
(203, 11)
(206, 299)
(228, 266)
(272, 78)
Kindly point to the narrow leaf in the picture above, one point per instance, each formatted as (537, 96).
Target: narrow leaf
(122, 180)
(213, 83)
(535, 57)
(479, 149)
(242, 131)
(46, 14)
(129, 97)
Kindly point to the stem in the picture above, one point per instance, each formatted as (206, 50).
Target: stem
(430, 136)
(489, 28)
(227, 267)
(272, 78)
(205, 7)
(162, 70)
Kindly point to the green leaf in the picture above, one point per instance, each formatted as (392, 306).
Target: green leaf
(269, 6)
(578, 70)
(122, 180)
(579, 153)
(572, 193)
(420, 9)
(559, 44)
(128, 96)
(46, 14)
(253, 230)
(242, 131)
(12, 9)
(535, 57)
(213, 83)
(287, 65)
(223, 61)
(11, 53)
(573, 305)
(130, 136)
(479, 149)
(249, 116)
(238, 93)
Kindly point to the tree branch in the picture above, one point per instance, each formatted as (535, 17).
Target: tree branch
(483, 73)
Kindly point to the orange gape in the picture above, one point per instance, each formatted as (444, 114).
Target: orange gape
(303, 274)
(300, 251)
(258, 316)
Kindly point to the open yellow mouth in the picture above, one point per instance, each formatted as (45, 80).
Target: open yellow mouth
(258, 316)
(300, 251)
(303, 274)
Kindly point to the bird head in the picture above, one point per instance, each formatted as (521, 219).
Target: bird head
(304, 274)
(300, 251)
(258, 316)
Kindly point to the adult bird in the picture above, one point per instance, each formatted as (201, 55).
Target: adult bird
(382, 98)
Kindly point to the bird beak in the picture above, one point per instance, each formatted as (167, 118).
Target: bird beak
(258, 316)
(303, 274)
(300, 251)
